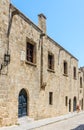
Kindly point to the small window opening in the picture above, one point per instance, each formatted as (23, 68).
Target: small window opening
(66, 101)
(50, 98)
(65, 67)
(74, 72)
(51, 61)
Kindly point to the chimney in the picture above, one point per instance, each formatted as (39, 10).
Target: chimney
(42, 22)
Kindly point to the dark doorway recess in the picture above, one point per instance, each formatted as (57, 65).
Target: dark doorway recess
(22, 103)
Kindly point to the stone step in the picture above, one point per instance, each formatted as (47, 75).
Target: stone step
(24, 120)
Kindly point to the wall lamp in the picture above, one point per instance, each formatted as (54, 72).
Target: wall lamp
(7, 58)
(6, 61)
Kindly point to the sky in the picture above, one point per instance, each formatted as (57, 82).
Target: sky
(65, 21)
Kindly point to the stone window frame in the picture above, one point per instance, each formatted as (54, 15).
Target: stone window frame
(50, 98)
(51, 65)
(65, 68)
(33, 63)
(74, 72)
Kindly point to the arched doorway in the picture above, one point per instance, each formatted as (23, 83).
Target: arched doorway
(82, 105)
(69, 105)
(74, 104)
(22, 103)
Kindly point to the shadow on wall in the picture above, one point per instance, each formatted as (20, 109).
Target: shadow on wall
(80, 127)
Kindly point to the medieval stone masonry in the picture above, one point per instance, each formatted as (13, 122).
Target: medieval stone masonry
(38, 77)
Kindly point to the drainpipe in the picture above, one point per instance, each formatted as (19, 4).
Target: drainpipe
(42, 84)
(11, 14)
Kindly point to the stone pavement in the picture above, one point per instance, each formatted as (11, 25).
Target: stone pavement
(49, 123)
(74, 123)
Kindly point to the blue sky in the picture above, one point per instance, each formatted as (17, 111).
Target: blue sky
(65, 21)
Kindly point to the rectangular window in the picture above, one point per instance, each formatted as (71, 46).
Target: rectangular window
(65, 68)
(50, 61)
(30, 52)
(66, 101)
(74, 72)
(50, 98)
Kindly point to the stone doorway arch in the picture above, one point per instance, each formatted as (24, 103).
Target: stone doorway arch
(74, 104)
(69, 105)
(82, 104)
(22, 103)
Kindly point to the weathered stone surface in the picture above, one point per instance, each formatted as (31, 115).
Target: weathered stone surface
(20, 74)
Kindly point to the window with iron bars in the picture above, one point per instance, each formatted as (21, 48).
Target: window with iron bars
(30, 52)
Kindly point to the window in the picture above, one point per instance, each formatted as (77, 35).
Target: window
(74, 72)
(80, 82)
(66, 101)
(30, 53)
(50, 61)
(65, 68)
(50, 98)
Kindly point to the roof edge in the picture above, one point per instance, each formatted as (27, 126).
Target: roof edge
(62, 48)
(25, 17)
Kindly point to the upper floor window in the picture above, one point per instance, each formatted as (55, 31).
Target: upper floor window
(80, 82)
(30, 52)
(74, 72)
(65, 68)
(50, 61)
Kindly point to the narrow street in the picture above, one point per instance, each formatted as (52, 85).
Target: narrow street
(74, 123)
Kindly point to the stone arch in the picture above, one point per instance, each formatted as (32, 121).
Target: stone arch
(23, 103)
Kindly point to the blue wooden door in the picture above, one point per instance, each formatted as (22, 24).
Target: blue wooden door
(22, 105)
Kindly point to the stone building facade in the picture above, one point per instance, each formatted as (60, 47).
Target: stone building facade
(38, 77)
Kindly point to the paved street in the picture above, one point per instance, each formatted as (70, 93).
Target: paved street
(74, 123)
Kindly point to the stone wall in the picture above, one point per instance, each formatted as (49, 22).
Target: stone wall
(32, 77)
(58, 83)
(4, 79)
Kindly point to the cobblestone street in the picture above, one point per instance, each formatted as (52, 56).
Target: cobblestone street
(74, 123)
